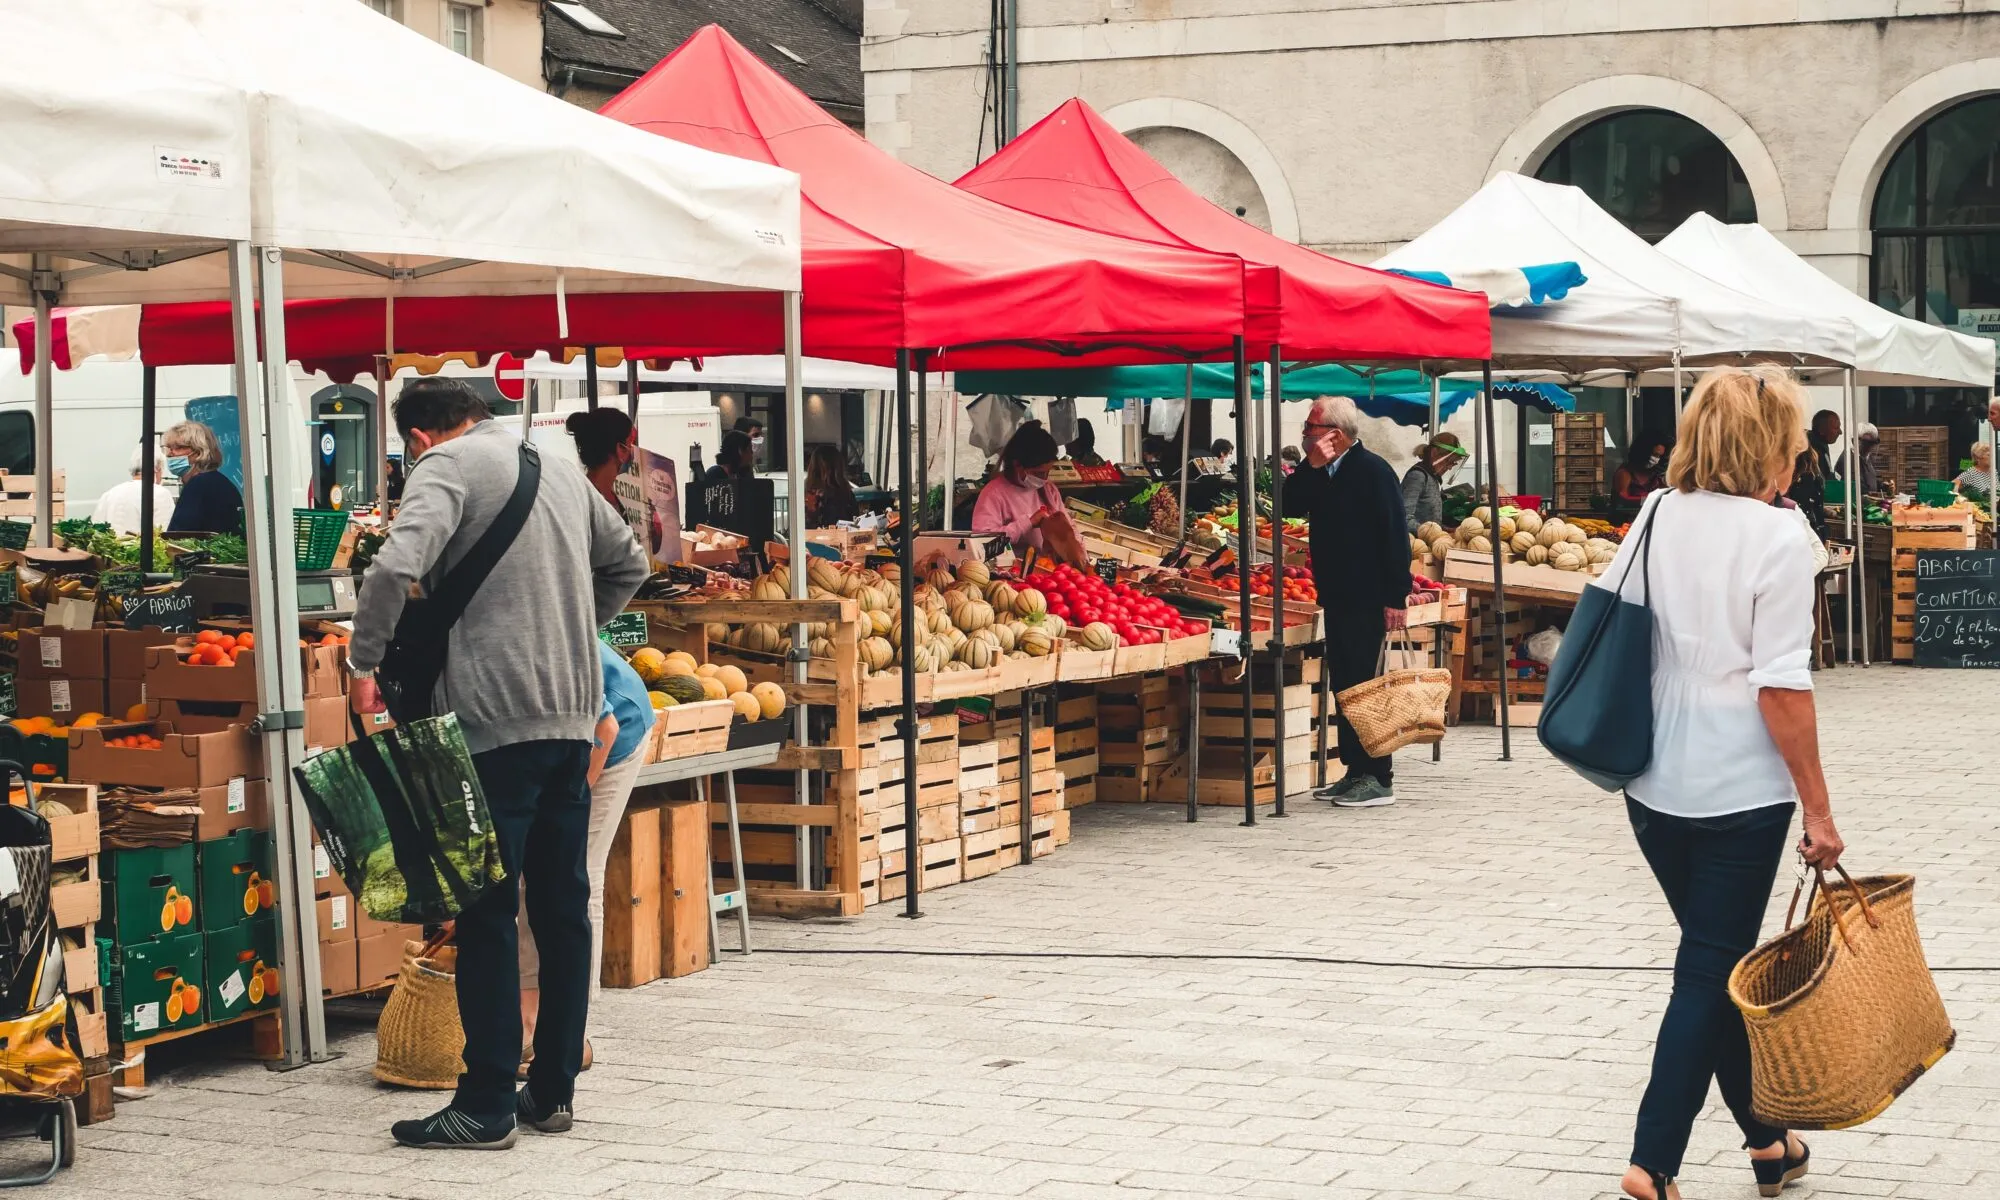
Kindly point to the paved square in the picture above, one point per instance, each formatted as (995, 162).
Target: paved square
(1196, 1040)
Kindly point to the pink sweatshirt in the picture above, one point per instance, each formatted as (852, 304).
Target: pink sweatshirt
(1007, 507)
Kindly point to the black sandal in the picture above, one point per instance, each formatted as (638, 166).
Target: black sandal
(1660, 1182)
(1774, 1173)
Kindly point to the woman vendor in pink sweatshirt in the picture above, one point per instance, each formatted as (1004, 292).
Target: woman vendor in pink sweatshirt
(1020, 501)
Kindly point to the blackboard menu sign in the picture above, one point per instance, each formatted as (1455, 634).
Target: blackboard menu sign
(1958, 608)
(739, 505)
(1107, 570)
(627, 631)
(171, 612)
(14, 534)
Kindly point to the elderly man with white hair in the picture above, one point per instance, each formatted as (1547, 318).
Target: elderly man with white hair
(1361, 566)
(118, 507)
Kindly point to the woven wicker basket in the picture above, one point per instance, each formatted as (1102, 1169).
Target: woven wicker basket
(1397, 708)
(1841, 1009)
(418, 1041)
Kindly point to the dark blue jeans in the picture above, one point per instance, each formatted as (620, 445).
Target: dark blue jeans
(540, 803)
(1717, 874)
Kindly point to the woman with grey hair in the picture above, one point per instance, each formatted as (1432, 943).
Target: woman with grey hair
(210, 502)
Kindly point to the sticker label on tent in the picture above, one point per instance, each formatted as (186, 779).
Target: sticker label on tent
(188, 166)
(235, 803)
(231, 989)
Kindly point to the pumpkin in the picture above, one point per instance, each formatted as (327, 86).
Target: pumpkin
(770, 697)
(1521, 542)
(732, 679)
(1528, 521)
(1098, 636)
(747, 706)
(1537, 555)
(1030, 602)
(973, 614)
(686, 689)
(712, 689)
(767, 588)
(974, 571)
(877, 653)
(1002, 597)
(977, 654)
(763, 636)
(782, 576)
(1430, 531)
(1003, 637)
(1035, 643)
(820, 647)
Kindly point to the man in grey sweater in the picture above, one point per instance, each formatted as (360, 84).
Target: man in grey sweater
(522, 674)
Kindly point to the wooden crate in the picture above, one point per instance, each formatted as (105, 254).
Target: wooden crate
(1914, 528)
(656, 893)
(22, 483)
(1910, 453)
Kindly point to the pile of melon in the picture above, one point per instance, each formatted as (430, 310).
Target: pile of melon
(675, 678)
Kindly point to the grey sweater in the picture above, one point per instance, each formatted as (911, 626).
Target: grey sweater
(522, 664)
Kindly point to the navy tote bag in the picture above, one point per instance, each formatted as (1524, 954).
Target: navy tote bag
(1597, 714)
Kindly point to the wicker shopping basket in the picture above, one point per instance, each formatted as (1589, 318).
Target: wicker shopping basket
(1397, 708)
(418, 1041)
(1842, 1013)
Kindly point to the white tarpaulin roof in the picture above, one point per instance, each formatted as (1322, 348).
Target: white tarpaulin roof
(1637, 306)
(1892, 351)
(386, 163)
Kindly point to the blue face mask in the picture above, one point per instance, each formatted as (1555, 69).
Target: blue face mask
(177, 466)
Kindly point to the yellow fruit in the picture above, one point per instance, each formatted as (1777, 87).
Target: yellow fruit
(167, 916)
(747, 706)
(705, 670)
(732, 679)
(86, 720)
(770, 697)
(680, 662)
(256, 988)
(659, 699)
(650, 664)
(712, 688)
(250, 902)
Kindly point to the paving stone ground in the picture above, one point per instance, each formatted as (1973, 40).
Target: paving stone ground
(1162, 1010)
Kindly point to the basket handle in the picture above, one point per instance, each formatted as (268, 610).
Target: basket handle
(1825, 889)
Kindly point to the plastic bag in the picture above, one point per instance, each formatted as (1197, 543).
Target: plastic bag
(1542, 647)
(404, 821)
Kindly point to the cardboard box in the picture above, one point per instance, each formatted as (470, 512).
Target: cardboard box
(336, 917)
(148, 894)
(187, 760)
(45, 652)
(123, 697)
(60, 700)
(323, 668)
(241, 965)
(366, 927)
(202, 716)
(327, 725)
(234, 882)
(228, 807)
(156, 986)
(125, 651)
(379, 959)
(337, 962)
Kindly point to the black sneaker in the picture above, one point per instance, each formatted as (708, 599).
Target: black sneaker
(1368, 792)
(551, 1118)
(1338, 789)
(452, 1128)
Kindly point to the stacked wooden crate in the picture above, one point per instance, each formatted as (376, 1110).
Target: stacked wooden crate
(1579, 461)
(1142, 731)
(1476, 668)
(1917, 527)
(1221, 731)
(76, 905)
(17, 494)
(1077, 744)
(990, 801)
(1909, 454)
(938, 808)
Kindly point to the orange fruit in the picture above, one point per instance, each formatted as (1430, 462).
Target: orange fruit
(167, 916)
(250, 901)
(271, 982)
(191, 1000)
(266, 894)
(184, 910)
(175, 1007)
(256, 988)
(245, 641)
(208, 636)
(226, 641)
(136, 713)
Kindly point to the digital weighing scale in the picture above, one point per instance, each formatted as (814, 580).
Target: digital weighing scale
(224, 591)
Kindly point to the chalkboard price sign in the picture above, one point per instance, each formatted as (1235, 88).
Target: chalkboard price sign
(171, 612)
(1958, 608)
(1107, 570)
(627, 631)
(14, 534)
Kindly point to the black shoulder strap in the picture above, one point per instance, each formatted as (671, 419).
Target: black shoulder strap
(459, 584)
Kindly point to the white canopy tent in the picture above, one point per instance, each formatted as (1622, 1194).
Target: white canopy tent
(1639, 310)
(216, 143)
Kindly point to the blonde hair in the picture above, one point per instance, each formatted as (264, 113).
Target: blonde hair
(203, 452)
(1740, 432)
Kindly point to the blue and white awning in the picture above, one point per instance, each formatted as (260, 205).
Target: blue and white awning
(1509, 286)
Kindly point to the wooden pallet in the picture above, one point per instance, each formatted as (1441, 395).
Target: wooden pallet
(265, 1037)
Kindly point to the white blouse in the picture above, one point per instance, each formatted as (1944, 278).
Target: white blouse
(1732, 601)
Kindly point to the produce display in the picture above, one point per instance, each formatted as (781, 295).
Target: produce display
(1298, 583)
(1566, 545)
(674, 679)
(214, 648)
(1155, 509)
(81, 533)
(1133, 617)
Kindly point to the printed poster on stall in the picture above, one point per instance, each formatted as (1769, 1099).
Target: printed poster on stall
(649, 497)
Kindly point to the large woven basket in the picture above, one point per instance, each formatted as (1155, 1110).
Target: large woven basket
(1397, 708)
(419, 1041)
(1842, 1012)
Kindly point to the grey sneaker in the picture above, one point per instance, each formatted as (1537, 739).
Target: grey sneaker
(1368, 793)
(1336, 790)
(545, 1118)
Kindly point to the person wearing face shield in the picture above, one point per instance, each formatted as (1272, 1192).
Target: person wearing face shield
(1643, 472)
(1022, 504)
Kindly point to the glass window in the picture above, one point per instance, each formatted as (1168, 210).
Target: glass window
(386, 7)
(17, 442)
(1652, 170)
(462, 29)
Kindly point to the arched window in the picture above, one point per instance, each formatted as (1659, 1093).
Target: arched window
(1652, 169)
(1937, 251)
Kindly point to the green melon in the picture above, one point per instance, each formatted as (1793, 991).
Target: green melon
(685, 689)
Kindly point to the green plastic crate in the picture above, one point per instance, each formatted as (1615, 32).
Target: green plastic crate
(318, 532)
(1935, 492)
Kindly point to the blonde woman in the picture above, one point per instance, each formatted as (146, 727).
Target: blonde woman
(209, 502)
(1735, 745)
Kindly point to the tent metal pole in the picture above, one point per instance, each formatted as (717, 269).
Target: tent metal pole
(1274, 395)
(923, 441)
(795, 537)
(262, 406)
(1680, 401)
(1852, 492)
(1861, 550)
(385, 377)
(952, 405)
(1631, 408)
(906, 560)
(590, 377)
(632, 382)
(1437, 387)
(1246, 541)
(1187, 436)
(44, 283)
(1499, 580)
(149, 402)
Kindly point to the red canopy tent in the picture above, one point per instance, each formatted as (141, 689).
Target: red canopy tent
(1074, 167)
